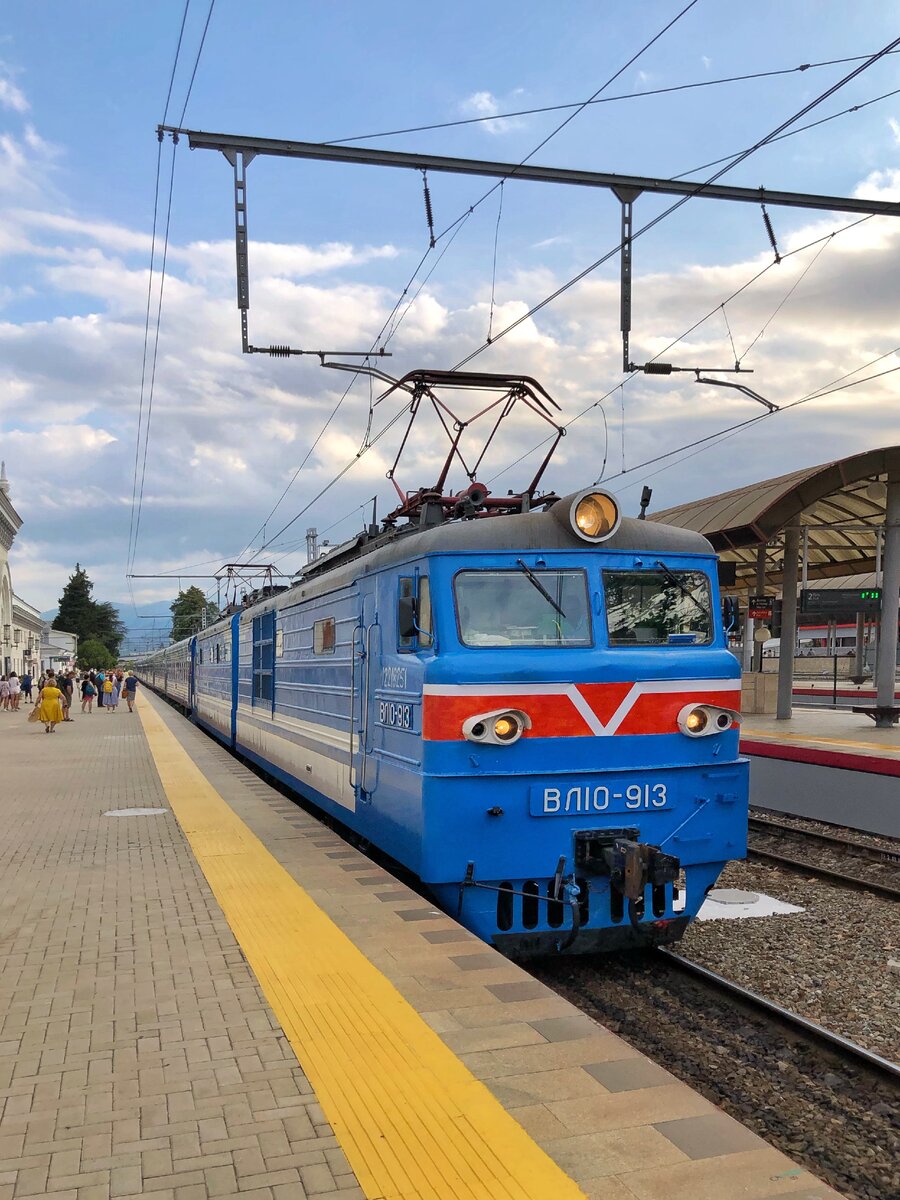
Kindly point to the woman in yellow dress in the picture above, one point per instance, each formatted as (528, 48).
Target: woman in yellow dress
(50, 707)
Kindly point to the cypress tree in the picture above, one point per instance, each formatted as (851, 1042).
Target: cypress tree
(76, 608)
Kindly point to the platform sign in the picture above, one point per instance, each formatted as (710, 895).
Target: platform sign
(838, 602)
(760, 608)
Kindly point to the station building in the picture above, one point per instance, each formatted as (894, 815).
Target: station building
(21, 627)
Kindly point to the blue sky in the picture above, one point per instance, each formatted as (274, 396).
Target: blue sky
(82, 88)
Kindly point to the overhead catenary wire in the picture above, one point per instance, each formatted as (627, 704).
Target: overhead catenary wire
(854, 108)
(212, 4)
(812, 262)
(581, 275)
(686, 333)
(494, 264)
(138, 488)
(571, 117)
(682, 200)
(137, 440)
(451, 229)
(548, 108)
(162, 283)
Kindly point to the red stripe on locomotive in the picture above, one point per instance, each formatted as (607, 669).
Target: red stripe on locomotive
(551, 716)
(554, 714)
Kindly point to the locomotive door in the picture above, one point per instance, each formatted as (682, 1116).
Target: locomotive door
(366, 655)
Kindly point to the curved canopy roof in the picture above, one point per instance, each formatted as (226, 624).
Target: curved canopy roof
(836, 502)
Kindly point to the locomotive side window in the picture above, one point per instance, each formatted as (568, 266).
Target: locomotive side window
(414, 619)
(524, 607)
(658, 608)
(323, 636)
(424, 613)
(406, 635)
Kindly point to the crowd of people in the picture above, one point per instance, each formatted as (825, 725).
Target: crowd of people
(57, 692)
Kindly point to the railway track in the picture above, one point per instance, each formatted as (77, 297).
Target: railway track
(857, 854)
(797, 1025)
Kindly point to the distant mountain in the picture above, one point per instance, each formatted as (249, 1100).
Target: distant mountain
(146, 625)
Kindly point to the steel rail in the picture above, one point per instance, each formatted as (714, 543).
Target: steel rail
(835, 1041)
(850, 881)
(876, 853)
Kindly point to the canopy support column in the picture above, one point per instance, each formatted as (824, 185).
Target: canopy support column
(760, 591)
(788, 623)
(886, 661)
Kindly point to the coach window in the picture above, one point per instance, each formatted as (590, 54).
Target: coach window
(218, 652)
(279, 643)
(324, 636)
(263, 658)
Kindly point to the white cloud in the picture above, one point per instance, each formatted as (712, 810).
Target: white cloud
(486, 104)
(12, 97)
(228, 431)
(895, 129)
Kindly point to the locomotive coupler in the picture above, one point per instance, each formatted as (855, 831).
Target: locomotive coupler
(630, 864)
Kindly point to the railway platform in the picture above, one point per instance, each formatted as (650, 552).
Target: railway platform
(828, 765)
(205, 992)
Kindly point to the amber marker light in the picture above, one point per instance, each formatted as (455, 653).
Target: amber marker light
(595, 516)
(506, 728)
(696, 721)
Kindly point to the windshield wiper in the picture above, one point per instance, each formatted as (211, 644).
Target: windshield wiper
(673, 578)
(532, 578)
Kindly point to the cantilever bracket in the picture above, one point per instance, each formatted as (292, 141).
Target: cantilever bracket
(240, 160)
(739, 387)
(626, 197)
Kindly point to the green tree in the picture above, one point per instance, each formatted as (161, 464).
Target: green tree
(93, 655)
(109, 628)
(188, 611)
(76, 607)
(80, 613)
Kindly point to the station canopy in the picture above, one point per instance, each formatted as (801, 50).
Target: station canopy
(840, 504)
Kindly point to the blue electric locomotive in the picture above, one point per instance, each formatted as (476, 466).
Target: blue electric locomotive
(536, 714)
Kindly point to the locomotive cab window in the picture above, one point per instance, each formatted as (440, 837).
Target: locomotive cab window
(658, 608)
(523, 607)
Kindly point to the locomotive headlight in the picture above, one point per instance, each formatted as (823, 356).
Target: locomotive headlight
(500, 728)
(696, 721)
(702, 720)
(594, 516)
(507, 728)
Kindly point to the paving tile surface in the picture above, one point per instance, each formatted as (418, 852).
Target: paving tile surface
(137, 1053)
(139, 1057)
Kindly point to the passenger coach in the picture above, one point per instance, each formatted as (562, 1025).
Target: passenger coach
(537, 714)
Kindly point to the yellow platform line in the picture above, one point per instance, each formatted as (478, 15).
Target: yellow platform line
(766, 735)
(411, 1118)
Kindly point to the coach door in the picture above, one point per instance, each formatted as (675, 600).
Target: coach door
(365, 658)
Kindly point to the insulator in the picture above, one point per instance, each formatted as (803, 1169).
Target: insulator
(771, 232)
(279, 351)
(429, 214)
(657, 368)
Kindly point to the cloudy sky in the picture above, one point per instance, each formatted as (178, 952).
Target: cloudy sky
(82, 88)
